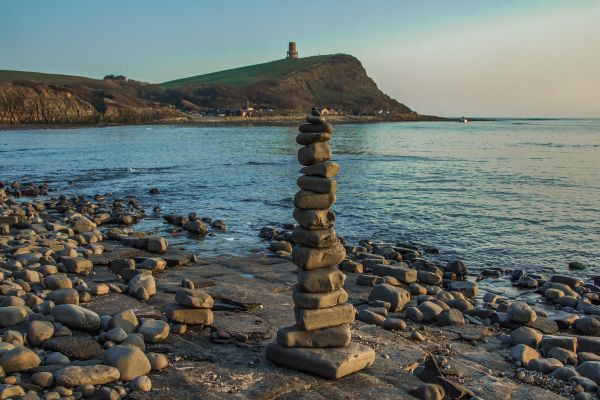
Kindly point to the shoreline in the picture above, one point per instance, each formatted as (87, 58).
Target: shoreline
(231, 121)
(477, 349)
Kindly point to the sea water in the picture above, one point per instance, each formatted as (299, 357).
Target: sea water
(506, 193)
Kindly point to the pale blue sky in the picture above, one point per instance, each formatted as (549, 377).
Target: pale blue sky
(478, 57)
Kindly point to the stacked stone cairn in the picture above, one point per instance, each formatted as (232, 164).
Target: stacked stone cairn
(319, 342)
(192, 306)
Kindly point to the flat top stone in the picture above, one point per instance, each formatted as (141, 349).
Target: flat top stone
(330, 363)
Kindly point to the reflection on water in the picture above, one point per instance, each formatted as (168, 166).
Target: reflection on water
(507, 194)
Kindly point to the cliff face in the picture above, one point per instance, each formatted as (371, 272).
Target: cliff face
(27, 102)
(39, 103)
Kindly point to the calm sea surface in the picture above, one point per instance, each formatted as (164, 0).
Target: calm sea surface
(505, 194)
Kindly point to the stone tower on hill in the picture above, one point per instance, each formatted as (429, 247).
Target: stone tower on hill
(292, 50)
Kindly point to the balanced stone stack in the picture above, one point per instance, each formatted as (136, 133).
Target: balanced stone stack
(319, 342)
(192, 306)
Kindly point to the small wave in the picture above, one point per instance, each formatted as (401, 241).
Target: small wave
(264, 163)
(558, 145)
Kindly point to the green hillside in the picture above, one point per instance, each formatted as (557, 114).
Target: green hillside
(246, 76)
(10, 76)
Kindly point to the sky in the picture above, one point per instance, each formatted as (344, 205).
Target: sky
(526, 58)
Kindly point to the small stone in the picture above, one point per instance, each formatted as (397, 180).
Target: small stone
(154, 330)
(564, 373)
(429, 391)
(293, 336)
(141, 384)
(327, 169)
(553, 294)
(414, 314)
(153, 264)
(393, 324)
(397, 297)
(8, 391)
(107, 393)
(317, 184)
(116, 335)
(43, 379)
(280, 245)
(451, 316)
(311, 258)
(320, 280)
(544, 365)
(576, 265)
(158, 361)
(565, 342)
(196, 226)
(56, 358)
(125, 320)
(370, 317)
(527, 282)
(64, 296)
(77, 265)
(400, 272)
(314, 153)
(195, 298)
(324, 317)
(307, 200)
(563, 355)
(157, 244)
(319, 300)
(322, 127)
(119, 264)
(191, 316)
(315, 218)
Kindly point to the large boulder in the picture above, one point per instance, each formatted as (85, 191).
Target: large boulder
(125, 320)
(457, 267)
(64, 296)
(38, 331)
(397, 297)
(588, 325)
(521, 312)
(154, 330)
(86, 375)
(142, 281)
(523, 353)
(12, 315)
(131, 362)
(526, 335)
(468, 289)
(19, 359)
(77, 265)
(590, 370)
(76, 317)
